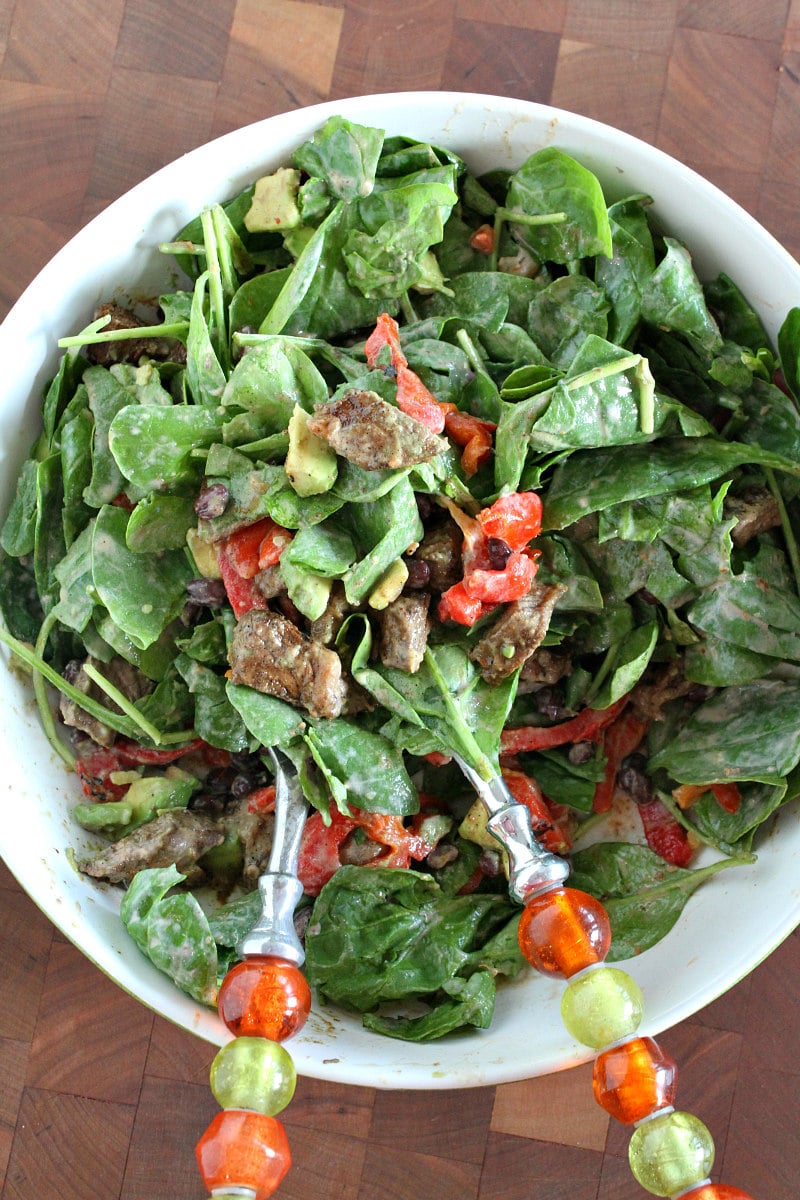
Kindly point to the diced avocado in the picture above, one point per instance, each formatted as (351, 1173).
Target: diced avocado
(274, 205)
(389, 587)
(144, 799)
(473, 829)
(311, 463)
(308, 592)
(205, 558)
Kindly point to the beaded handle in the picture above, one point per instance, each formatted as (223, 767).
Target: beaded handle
(563, 932)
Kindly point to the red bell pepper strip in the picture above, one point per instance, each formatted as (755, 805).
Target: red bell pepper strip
(586, 727)
(546, 828)
(262, 800)
(663, 833)
(130, 753)
(457, 605)
(620, 739)
(500, 587)
(320, 844)
(385, 333)
(727, 795)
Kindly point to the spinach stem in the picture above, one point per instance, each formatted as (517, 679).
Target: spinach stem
(461, 734)
(42, 699)
(407, 308)
(216, 296)
(606, 667)
(471, 350)
(501, 215)
(788, 532)
(178, 329)
(122, 701)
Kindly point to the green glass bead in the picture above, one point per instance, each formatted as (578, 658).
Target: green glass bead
(602, 1005)
(253, 1073)
(670, 1153)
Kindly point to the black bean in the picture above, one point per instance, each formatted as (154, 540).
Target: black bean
(210, 592)
(499, 552)
(633, 781)
(580, 752)
(212, 501)
(425, 505)
(419, 573)
(490, 863)
(241, 785)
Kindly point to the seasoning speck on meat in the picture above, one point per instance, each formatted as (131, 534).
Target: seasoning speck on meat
(517, 633)
(373, 434)
(269, 653)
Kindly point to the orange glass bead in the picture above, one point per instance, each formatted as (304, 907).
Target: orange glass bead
(264, 997)
(243, 1150)
(632, 1080)
(716, 1191)
(563, 930)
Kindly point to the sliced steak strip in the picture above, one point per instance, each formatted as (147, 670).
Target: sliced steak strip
(517, 633)
(269, 653)
(177, 836)
(404, 631)
(373, 434)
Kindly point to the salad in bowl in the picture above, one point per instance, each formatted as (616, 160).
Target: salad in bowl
(407, 449)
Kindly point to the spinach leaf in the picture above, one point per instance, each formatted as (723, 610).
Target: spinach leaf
(564, 314)
(215, 718)
(142, 594)
(153, 447)
(19, 527)
(390, 934)
(271, 379)
(364, 769)
(624, 276)
(552, 182)
(747, 732)
(470, 1003)
(789, 350)
(673, 298)
(344, 155)
(742, 610)
(172, 931)
(643, 895)
(272, 722)
(383, 531)
(629, 665)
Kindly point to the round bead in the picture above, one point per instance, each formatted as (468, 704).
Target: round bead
(564, 930)
(253, 1073)
(716, 1191)
(633, 1080)
(601, 1006)
(264, 997)
(243, 1150)
(671, 1152)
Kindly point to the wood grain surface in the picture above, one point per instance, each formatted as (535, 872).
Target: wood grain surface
(99, 1098)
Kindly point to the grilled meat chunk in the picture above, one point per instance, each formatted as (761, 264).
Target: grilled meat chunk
(543, 668)
(373, 434)
(660, 684)
(404, 631)
(440, 549)
(270, 654)
(254, 830)
(755, 509)
(517, 633)
(131, 349)
(176, 836)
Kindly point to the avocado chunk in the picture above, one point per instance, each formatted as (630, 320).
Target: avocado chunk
(274, 205)
(311, 464)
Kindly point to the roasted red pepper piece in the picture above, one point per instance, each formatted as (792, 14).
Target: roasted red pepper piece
(546, 827)
(319, 859)
(620, 739)
(457, 605)
(663, 833)
(500, 587)
(482, 239)
(262, 800)
(727, 794)
(472, 433)
(586, 727)
(385, 333)
(414, 399)
(243, 595)
(94, 772)
(516, 518)
(130, 753)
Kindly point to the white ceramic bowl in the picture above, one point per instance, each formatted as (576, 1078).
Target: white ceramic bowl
(730, 925)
